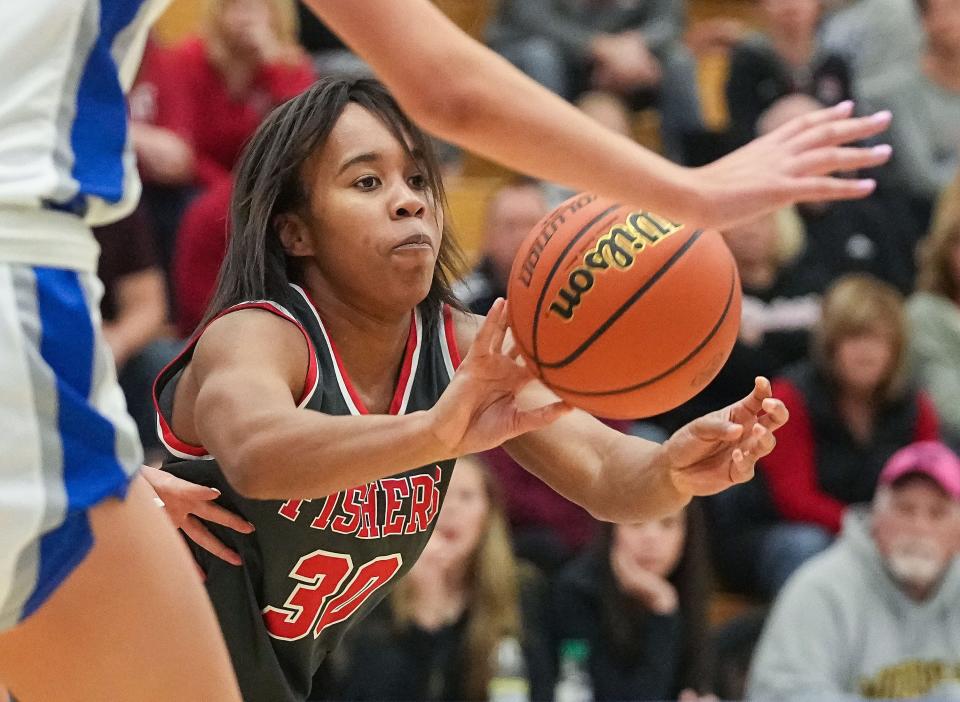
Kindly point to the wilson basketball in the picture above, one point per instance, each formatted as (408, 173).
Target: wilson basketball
(621, 312)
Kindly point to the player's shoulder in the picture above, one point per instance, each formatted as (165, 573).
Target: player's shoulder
(251, 335)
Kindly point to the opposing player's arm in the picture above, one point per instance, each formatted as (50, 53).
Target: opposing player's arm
(465, 93)
(248, 372)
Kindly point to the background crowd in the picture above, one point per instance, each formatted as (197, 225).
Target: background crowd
(832, 575)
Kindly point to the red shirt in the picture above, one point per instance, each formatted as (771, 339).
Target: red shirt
(805, 459)
(201, 246)
(220, 123)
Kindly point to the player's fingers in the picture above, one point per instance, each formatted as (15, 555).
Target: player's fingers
(753, 403)
(843, 131)
(776, 414)
(798, 125)
(714, 428)
(831, 159)
(482, 342)
(824, 188)
(202, 537)
(741, 467)
(500, 330)
(215, 513)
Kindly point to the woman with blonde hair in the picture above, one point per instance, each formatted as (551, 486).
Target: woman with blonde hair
(851, 407)
(245, 61)
(440, 636)
(934, 313)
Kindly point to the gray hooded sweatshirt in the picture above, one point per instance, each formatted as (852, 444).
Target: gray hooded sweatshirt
(841, 629)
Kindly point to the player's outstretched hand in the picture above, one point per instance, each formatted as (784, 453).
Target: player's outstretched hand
(187, 504)
(721, 449)
(791, 164)
(479, 409)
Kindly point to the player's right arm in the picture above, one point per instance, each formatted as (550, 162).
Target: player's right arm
(241, 389)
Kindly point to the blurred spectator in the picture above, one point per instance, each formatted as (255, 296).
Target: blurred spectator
(875, 235)
(512, 212)
(446, 619)
(786, 58)
(201, 246)
(925, 97)
(878, 614)
(639, 598)
(874, 37)
(851, 407)
(246, 61)
(630, 49)
(134, 310)
(161, 132)
(934, 313)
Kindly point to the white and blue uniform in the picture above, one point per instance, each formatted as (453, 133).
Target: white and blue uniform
(65, 164)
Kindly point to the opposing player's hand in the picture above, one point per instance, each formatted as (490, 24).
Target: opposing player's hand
(187, 504)
(790, 164)
(721, 449)
(479, 409)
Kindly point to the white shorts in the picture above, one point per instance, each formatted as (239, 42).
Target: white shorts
(66, 440)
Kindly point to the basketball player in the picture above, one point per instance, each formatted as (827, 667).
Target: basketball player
(320, 397)
(97, 597)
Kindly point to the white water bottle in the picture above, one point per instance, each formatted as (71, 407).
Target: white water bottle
(573, 684)
(508, 681)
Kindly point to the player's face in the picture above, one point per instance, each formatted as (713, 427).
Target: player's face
(463, 518)
(654, 546)
(375, 231)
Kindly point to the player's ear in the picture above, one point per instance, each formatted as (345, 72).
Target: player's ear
(294, 234)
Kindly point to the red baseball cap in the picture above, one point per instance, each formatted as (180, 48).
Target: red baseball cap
(930, 458)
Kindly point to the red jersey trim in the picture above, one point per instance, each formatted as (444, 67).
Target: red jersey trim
(450, 338)
(408, 367)
(182, 449)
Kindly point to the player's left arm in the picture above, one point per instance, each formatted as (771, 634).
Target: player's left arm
(622, 478)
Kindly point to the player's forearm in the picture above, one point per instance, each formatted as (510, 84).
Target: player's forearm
(614, 476)
(635, 483)
(306, 455)
(466, 94)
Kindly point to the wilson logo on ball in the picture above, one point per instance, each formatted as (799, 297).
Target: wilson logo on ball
(617, 249)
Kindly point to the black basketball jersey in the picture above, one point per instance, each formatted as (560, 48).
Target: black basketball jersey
(314, 566)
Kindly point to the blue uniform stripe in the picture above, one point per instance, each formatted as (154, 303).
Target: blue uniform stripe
(100, 126)
(88, 439)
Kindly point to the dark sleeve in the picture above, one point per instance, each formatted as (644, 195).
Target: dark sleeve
(126, 247)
